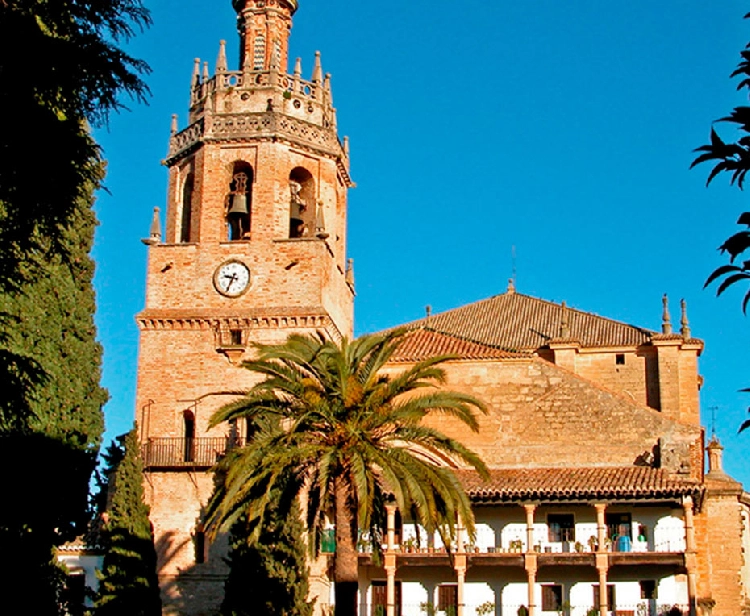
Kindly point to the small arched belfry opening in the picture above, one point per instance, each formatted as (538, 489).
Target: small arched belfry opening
(302, 203)
(186, 216)
(239, 202)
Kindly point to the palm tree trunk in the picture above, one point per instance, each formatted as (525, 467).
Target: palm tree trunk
(346, 566)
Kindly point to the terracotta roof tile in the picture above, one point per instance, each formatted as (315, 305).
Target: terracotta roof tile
(424, 343)
(518, 322)
(575, 484)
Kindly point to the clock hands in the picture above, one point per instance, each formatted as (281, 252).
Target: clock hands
(232, 278)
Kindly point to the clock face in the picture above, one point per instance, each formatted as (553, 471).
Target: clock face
(232, 278)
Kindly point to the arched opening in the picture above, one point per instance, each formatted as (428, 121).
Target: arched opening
(188, 418)
(302, 203)
(239, 202)
(187, 209)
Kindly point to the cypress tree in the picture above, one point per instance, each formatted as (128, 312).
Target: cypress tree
(268, 575)
(50, 431)
(128, 585)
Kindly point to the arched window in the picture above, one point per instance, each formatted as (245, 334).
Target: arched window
(259, 53)
(188, 418)
(239, 202)
(187, 208)
(302, 203)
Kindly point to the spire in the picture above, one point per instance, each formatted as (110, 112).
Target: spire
(206, 74)
(197, 72)
(221, 61)
(715, 457)
(320, 223)
(155, 231)
(317, 75)
(175, 127)
(350, 272)
(511, 286)
(564, 326)
(666, 321)
(327, 89)
(685, 329)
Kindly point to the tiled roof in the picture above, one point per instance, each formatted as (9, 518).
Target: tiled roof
(518, 322)
(424, 343)
(632, 482)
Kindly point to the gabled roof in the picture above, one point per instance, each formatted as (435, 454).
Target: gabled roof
(424, 343)
(634, 482)
(517, 322)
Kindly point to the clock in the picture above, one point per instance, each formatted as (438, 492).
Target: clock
(232, 278)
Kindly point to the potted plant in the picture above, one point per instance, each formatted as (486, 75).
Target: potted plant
(593, 543)
(408, 545)
(579, 547)
(516, 545)
(485, 609)
(427, 608)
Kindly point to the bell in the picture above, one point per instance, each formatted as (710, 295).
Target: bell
(295, 213)
(239, 205)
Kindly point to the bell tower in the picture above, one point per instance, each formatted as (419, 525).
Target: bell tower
(254, 249)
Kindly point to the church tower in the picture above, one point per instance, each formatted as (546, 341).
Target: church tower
(254, 249)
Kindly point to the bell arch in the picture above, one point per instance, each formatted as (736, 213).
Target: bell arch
(239, 202)
(302, 203)
(186, 216)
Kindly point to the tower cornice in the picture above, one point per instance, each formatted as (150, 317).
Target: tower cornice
(293, 5)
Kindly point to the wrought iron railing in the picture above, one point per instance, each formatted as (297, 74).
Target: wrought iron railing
(186, 452)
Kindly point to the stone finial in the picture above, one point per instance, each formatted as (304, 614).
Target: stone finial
(275, 63)
(327, 88)
(175, 127)
(317, 76)
(564, 325)
(197, 72)
(320, 224)
(666, 321)
(221, 60)
(298, 68)
(350, 272)
(346, 146)
(206, 74)
(511, 286)
(715, 456)
(685, 329)
(154, 236)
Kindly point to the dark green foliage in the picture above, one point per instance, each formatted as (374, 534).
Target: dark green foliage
(733, 158)
(61, 67)
(129, 586)
(268, 577)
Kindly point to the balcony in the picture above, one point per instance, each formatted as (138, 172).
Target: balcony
(186, 453)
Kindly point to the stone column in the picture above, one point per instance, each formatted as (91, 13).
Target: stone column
(601, 525)
(690, 553)
(461, 577)
(390, 561)
(461, 564)
(530, 509)
(531, 570)
(602, 558)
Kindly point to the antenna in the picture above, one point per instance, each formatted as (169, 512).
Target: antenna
(713, 410)
(513, 258)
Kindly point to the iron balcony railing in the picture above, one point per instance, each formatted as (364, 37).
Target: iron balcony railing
(178, 453)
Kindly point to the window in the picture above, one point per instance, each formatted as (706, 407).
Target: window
(239, 202)
(302, 203)
(259, 53)
(448, 599)
(611, 603)
(379, 600)
(235, 337)
(187, 209)
(648, 589)
(552, 597)
(619, 525)
(200, 545)
(620, 359)
(562, 527)
(188, 419)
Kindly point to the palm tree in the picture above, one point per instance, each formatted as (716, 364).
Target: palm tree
(330, 427)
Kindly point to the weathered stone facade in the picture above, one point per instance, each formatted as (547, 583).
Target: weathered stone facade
(255, 248)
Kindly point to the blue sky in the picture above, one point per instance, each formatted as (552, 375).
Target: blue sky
(563, 129)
